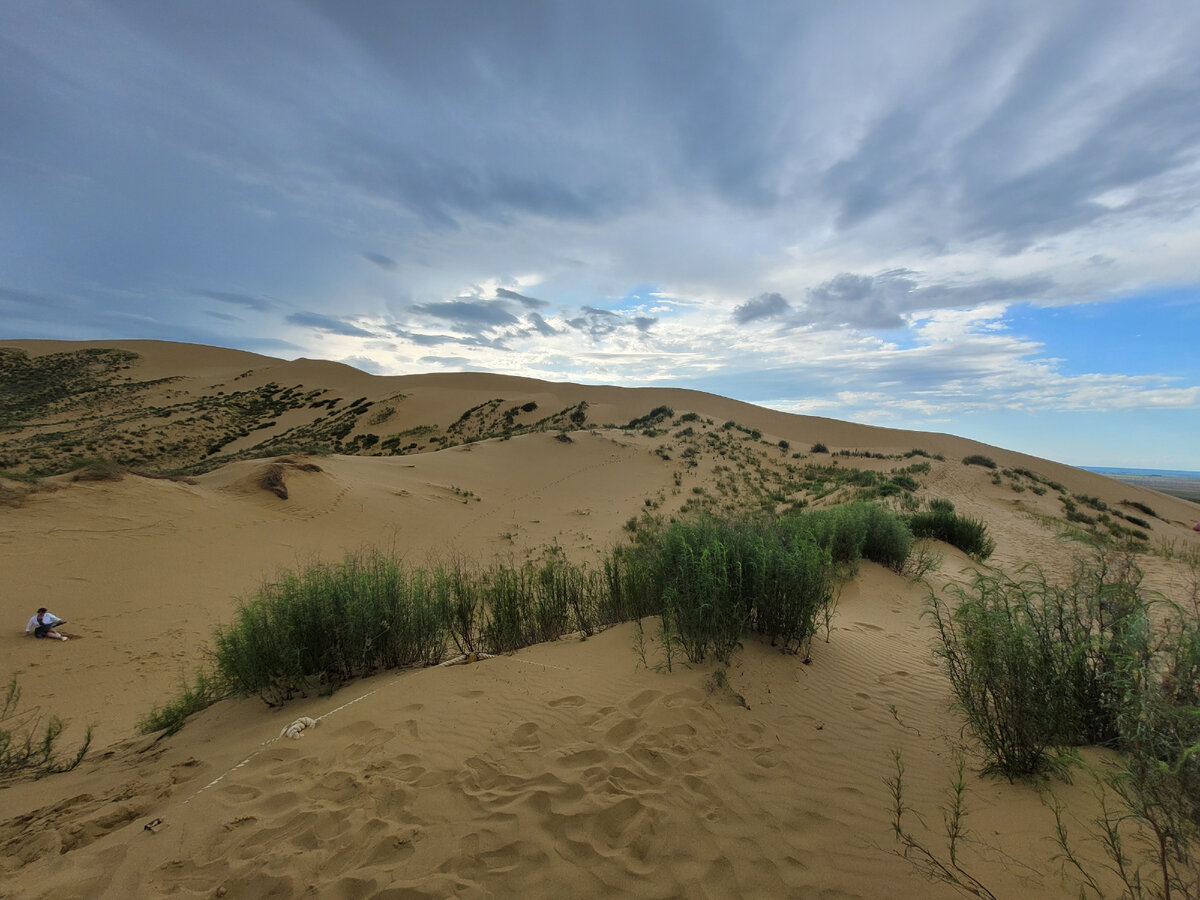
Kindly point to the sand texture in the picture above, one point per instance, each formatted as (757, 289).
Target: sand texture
(574, 768)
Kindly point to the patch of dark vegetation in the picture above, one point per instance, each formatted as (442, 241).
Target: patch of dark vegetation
(43, 386)
(271, 479)
(97, 469)
(1140, 507)
(940, 522)
(654, 417)
(976, 459)
(1039, 667)
(712, 582)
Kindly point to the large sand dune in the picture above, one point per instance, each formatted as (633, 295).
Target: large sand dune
(565, 769)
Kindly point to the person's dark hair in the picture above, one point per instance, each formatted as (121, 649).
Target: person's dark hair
(42, 610)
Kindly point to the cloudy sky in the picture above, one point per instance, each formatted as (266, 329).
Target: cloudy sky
(979, 218)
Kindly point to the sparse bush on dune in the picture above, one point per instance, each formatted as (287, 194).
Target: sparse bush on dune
(97, 469)
(205, 689)
(942, 523)
(976, 459)
(29, 748)
(1037, 666)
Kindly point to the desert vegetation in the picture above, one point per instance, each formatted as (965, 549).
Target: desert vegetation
(27, 745)
(1040, 666)
(710, 581)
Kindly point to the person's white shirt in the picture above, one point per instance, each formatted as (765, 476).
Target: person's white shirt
(48, 618)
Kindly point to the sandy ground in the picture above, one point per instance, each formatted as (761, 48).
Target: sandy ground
(572, 768)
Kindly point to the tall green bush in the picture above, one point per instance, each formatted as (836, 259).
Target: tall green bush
(942, 523)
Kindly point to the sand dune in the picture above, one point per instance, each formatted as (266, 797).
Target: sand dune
(568, 767)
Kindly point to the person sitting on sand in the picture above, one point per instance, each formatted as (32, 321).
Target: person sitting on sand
(42, 624)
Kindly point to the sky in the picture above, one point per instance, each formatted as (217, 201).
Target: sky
(980, 218)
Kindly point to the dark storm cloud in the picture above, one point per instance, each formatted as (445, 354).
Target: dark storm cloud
(644, 323)
(530, 302)
(879, 301)
(595, 322)
(472, 316)
(764, 306)
(540, 325)
(249, 301)
(1050, 142)
(328, 324)
(599, 323)
(384, 262)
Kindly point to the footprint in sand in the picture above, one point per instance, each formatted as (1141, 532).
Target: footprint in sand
(526, 737)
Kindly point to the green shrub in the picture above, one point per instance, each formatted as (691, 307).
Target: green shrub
(856, 531)
(1002, 673)
(714, 581)
(1141, 507)
(331, 623)
(977, 460)
(203, 691)
(942, 523)
(818, 447)
(1037, 665)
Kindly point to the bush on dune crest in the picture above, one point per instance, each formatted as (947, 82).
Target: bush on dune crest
(712, 581)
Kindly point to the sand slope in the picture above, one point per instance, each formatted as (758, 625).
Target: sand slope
(567, 768)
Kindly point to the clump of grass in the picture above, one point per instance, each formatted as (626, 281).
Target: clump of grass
(710, 581)
(97, 468)
(713, 581)
(328, 624)
(818, 447)
(1141, 507)
(655, 416)
(27, 747)
(205, 689)
(1037, 666)
(856, 531)
(942, 523)
(976, 459)
(716, 580)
